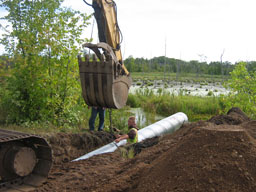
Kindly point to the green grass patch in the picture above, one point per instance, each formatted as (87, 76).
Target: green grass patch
(196, 107)
(81, 124)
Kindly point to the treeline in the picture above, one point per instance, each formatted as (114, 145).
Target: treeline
(171, 65)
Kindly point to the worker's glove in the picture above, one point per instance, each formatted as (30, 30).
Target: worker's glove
(117, 140)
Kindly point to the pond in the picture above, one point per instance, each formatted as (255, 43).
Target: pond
(185, 88)
(143, 118)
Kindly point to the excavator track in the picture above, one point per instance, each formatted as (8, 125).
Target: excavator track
(25, 161)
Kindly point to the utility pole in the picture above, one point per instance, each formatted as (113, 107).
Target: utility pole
(178, 68)
(221, 56)
(164, 59)
(142, 66)
(202, 59)
(150, 63)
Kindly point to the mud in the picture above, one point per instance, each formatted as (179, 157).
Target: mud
(214, 155)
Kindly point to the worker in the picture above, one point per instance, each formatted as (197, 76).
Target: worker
(134, 147)
(94, 112)
(132, 135)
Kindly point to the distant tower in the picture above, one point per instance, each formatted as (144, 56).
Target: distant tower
(164, 58)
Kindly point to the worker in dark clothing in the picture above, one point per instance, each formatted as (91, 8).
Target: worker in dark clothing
(95, 111)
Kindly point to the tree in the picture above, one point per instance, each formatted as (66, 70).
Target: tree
(129, 62)
(43, 44)
(243, 90)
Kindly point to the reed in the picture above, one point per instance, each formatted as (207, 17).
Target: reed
(165, 104)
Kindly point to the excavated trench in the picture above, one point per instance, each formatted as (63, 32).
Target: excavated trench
(67, 147)
(214, 155)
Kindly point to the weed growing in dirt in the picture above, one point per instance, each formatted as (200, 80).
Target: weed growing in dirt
(127, 152)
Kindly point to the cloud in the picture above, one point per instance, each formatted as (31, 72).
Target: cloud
(188, 27)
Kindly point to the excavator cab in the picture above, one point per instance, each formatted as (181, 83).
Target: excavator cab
(105, 80)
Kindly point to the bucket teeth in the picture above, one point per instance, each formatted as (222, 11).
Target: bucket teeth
(103, 83)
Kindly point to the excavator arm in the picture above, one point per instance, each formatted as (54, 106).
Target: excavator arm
(108, 29)
(104, 78)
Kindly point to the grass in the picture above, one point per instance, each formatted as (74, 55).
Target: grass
(119, 121)
(165, 104)
(197, 108)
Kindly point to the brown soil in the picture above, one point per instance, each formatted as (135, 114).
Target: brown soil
(66, 147)
(214, 155)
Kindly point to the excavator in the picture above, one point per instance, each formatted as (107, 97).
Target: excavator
(26, 159)
(104, 79)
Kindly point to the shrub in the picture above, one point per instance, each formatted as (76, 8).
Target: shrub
(243, 90)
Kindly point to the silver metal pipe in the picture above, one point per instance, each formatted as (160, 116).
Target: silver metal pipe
(164, 126)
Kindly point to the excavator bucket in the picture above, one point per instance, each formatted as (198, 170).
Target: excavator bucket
(104, 82)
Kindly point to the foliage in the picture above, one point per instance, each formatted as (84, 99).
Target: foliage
(43, 44)
(133, 101)
(243, 90)
(171, 65)
(166, 104)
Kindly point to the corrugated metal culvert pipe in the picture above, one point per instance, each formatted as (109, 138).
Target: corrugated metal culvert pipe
(164, 126)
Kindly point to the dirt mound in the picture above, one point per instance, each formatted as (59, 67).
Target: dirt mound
(210, 158)
(201, 156)
(66, 147)
(235, 116)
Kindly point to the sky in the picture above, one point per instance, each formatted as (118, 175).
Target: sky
(200, 30)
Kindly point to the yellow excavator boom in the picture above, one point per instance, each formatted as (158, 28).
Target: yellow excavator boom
(104, 78)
